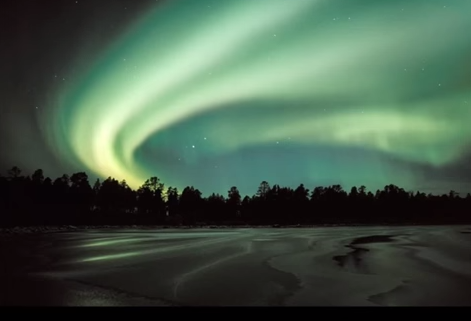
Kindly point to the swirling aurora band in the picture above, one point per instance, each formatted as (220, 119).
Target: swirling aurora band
(199, 80)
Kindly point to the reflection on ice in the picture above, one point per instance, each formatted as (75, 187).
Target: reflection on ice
(347, 266)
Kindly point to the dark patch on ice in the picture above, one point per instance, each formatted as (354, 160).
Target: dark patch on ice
(466, 230)
(373, 239)
(354, 257)
(354, 260)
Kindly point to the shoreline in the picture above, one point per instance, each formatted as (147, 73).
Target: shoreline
(29, 230)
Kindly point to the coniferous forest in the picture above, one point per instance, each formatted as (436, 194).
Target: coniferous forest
(39, 200)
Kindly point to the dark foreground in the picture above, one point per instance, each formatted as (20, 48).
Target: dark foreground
(367, 266)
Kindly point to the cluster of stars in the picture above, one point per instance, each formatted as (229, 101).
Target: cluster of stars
(55, 76)
(180, 159)
(194, 147)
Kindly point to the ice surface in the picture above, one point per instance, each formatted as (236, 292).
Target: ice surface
(352, 266)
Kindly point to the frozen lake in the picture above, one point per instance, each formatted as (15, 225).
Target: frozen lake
(333, 266)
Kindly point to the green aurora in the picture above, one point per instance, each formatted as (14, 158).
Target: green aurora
(233, 92)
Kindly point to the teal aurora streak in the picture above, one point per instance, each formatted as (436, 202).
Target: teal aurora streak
(238, 91)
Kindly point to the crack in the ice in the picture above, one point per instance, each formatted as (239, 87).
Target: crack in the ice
(354, 258)
(290, 290)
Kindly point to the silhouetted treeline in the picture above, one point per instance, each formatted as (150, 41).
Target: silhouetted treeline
(39, 200)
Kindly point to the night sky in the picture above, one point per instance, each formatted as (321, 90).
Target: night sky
(233, 92)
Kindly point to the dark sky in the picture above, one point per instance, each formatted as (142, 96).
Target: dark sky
(43, 43)
(220, 93)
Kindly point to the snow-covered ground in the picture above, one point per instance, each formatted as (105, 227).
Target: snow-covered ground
(367, 266)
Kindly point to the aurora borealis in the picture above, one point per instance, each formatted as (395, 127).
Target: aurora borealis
(232, 92)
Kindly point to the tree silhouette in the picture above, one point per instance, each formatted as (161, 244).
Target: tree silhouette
(190, 205)
(109, 199)
(216, 207)
(263, 190)
(81, 194)
(172, 201)
(38, 177)
(300, 204)
(36, 199)
(14, 172)
(234, 201)
(151, 202)
(129, 198)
